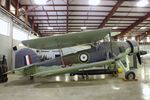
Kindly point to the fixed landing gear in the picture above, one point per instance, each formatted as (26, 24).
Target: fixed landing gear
(130, 75)
(31, 78)
(3, 78)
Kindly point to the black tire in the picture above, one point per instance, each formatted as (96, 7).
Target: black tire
(5, 79)
(130, 75)
(31, 78)
(1, 79)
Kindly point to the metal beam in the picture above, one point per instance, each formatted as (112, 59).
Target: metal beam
(67, 17)
(17, 8)
(30, 11)
(73, 29)
(69, 11)
(73, 26)
(79, 25)
(84, 4)
(66, 5)
(86, 16)
(8, 3)
(90, 19)
(33, 28)
(69, 26)
(141, 19)
(85, 23)
(117, 5)
(69, 23)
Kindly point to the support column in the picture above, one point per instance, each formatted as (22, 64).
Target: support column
(12, 43)
(8, 3)
(33, 23)
(17, 8)
(26, 16)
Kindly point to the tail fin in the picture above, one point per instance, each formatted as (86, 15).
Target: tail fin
(25, 57)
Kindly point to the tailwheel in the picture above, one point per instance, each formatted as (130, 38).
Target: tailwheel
(130, 75)
(31, 78)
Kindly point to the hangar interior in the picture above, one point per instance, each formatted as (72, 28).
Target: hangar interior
(32, 19)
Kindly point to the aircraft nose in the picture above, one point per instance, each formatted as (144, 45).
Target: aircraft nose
(133, 45)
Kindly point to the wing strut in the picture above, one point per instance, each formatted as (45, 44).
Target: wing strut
(61, 54)
(110, 42)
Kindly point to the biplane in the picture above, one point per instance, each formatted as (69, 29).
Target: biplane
(100, 53)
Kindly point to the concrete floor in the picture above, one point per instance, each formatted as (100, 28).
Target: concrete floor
(65, 88)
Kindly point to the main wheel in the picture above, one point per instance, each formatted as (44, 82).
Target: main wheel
(130, 75)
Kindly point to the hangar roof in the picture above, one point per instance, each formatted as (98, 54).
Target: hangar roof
(64, 16)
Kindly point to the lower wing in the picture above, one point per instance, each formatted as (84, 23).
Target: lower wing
(74, 68)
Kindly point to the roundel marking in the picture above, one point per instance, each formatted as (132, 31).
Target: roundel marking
(83, 57)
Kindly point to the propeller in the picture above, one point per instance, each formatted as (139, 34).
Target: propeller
(139, 58)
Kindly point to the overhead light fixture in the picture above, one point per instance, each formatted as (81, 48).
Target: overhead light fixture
(125, 38)
(115, 28)
(40, 2)
(118, 40)
(141, 41)
(143, 28)
(142, 3)
(20, 45)
(50, 28)
(133, 38)
(148, 39)
(94, 2)
(83, 28)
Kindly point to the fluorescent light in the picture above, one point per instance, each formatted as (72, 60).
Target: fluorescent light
(148, 39)
(20, 45)
(50, 28)
(133, 38)
(57, 78)
(141, 41)
(118, 40)
(115, 28)
(94, 2)
(83, 28)
(142, 3)
(143, 28)
(40, 2)
(125, 38)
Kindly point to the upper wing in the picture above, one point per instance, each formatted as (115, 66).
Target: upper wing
(71, 69)
(67, 40)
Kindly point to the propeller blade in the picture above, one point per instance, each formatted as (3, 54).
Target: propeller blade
(139, 58)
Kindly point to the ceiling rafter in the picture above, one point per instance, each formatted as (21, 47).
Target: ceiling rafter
(75, 30)
(67, 17)
(140, 20)
(91, 19)
(86, 16)
(84, 5)
(124, 24)
(117, 5)
(30, 11)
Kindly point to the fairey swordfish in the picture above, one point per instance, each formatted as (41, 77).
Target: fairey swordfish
(104, 53)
